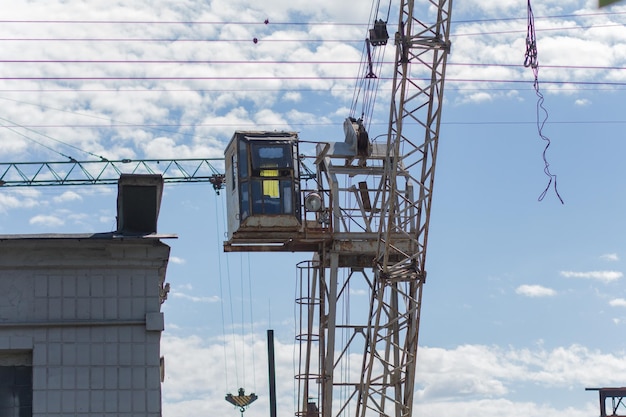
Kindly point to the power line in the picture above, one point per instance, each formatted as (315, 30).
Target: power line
(329, 124)
(271, 40)
(280, 62)
(183, 22)
(280, 23)
(256, 40)
(177, 40)
(506, 32)
(277, 89)
(504, 19)
(299, 78)
(163, 61)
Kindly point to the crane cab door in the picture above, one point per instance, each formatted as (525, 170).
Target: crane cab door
(262, 184)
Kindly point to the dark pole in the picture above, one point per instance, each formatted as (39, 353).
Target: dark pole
(272, 371)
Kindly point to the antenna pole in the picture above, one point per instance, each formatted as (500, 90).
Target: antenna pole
(272, 371)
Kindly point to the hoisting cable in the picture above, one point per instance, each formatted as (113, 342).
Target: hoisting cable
(217, 232)
(243, 327)
(251, 321)
(531, 61)
(370, 67)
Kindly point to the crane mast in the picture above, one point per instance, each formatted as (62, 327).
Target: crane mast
(397, 289)
(380, 224)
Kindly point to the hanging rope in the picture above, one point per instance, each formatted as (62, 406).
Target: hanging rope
(221, 215)
(246, 274)
(531, 61)
(249, 284)
(372, 57)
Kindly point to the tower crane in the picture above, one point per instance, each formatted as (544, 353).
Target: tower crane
(365, 218)
(367, 223)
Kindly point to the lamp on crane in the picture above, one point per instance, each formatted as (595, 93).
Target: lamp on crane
(313, 202)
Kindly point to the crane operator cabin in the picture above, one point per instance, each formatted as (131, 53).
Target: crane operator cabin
(263, 190)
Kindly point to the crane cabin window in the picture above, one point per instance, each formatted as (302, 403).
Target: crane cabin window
(266, 174)
(271, 154)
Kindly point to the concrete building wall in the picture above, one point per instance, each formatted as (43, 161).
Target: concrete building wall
(88, 310)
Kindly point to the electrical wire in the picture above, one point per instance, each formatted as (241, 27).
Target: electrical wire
(531, 60)
(330, 123)
(285, 23)
(561, 16)
(257, 40)
(368, 100)
(285, 62)
(37, 142)
(304, 78)
(13, 124)
(612, 87)
(508, 32)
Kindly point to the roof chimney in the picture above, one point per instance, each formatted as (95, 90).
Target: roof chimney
(138, 203)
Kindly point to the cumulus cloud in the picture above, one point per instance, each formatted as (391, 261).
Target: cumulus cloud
(582, 102)
(617, 302)
(535, 291)
(570, 43)
(195, 298)
(18, 199)
(67, 196)
(358, 291)
(610, 257)
(177, 260)
(46, 220)
(474, 379)
(604, 276)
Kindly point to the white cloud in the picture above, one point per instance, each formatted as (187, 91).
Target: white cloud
(292, 96)
(295, 116)
(106, 219)
(617, 302)
(177, 260)
(610, 257)
(67, 196)
(473, 379)
(495, 407)
(195, 299)
(604, 276)
(535, 291)
(19, 199)
(46, 220)
(358, 291)
(568, 48)
(186, 286)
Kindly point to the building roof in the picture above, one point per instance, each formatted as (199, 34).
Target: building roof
(90, 236)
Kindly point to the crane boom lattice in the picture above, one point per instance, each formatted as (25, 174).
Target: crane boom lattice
(73, 172)
(379, 213)
(388, 374)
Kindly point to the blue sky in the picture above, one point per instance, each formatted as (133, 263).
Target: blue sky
(524, 304)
